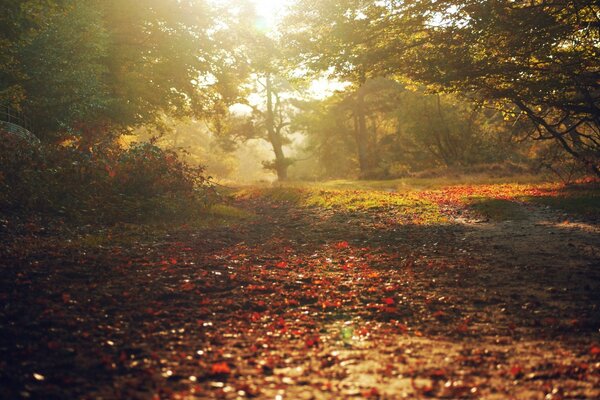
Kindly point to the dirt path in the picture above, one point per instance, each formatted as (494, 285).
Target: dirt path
(305, 304)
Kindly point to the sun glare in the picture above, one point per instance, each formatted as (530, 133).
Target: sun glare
(269, 12)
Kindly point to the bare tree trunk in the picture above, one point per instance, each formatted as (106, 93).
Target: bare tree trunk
(274, 137)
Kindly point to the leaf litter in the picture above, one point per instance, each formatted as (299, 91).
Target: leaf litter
(303, 302)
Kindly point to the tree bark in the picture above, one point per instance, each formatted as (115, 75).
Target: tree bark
(274, 137)
(362, 134)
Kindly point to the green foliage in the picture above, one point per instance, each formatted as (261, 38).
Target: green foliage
(65, 67)
(77, 65)
(107, 185)
(407, 132)
(579, 200)
(535, 60)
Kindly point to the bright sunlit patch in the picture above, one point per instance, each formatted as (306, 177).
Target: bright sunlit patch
(269, 12)
(323, 87)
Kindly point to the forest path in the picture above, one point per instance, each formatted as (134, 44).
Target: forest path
(305, 303)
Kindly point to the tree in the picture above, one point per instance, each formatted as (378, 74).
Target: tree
(535, 59)
(408, 131)
(268, 120)
(88, 67)
(65, 69)
(269, 117)
(330, 37)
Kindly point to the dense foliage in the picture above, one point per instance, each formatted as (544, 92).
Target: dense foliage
(107, 183)
(76, 65)
(534, 59)
(406, 132)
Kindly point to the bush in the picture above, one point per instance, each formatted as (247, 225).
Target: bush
(107, 183)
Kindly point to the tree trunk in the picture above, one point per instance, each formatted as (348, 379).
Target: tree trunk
(274, 137)
(362, 134)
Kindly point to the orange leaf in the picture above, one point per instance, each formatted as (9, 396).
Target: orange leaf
(220, 369)
(342, 245)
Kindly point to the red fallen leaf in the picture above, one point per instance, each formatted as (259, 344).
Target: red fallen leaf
(462, 328)
(595, 350)
(66, 297)
(342, 245)
(438, 314)
(575, 323)
(280, 322)
(220, 369)
(173, 261)
(187, 286)
(371, 393)
(151, 311)
(438, 373)
(389, 301)
(312, 342)
(516, 371)
(291, 302)
(281, 264)
(255, 317)
(401, 327)
(331, 304)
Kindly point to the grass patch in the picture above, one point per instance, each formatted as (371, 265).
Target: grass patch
(404, 184)
(288, 194)
(408, 206)
(498, 209)
(127, 234)
(224, 211)
(586, 205)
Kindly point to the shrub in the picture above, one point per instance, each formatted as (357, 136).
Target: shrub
(105, 183)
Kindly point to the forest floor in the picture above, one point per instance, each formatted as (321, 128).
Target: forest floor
(310, 293)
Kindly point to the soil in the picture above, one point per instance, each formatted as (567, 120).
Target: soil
(303, 303)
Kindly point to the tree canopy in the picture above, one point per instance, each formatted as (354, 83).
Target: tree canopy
(536, 59)
(79, 64)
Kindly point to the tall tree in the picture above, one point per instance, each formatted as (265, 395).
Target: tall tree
(330, 37)
(268, 119)
(267, 95)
